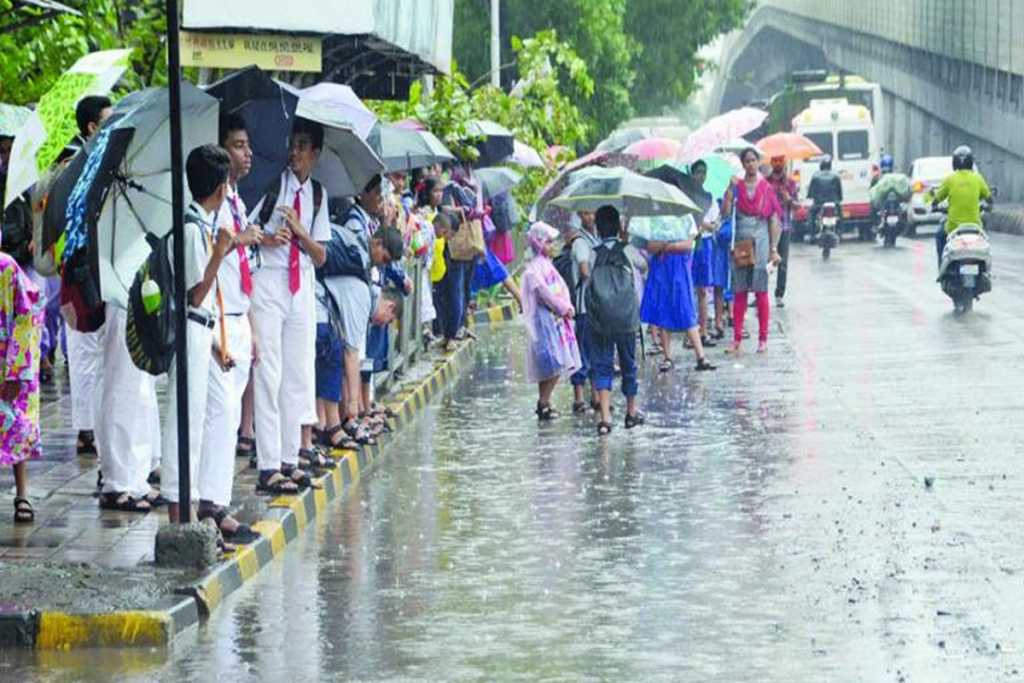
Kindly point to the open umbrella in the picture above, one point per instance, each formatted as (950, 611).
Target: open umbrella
(791, 146)
(403, 150)
(12, 118)
(496, 141)
(410, 124)
(673, 175)
(663, 228)
(558, 217)
(497, 179)
(338, 104)
(721, 130)
(346, 162)
(525, 156)
(52, 125)
(629, 192)
(436, 147)
(120, 188)
(269, 112)
(621, 139)
(722, 168)
(652, 152)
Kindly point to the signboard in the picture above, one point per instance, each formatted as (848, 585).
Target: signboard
(271, 52)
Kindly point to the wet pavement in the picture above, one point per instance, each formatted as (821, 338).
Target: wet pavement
(845, 508)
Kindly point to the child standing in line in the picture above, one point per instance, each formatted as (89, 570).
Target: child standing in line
(548, 312)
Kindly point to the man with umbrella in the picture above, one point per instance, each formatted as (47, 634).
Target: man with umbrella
(294, 218)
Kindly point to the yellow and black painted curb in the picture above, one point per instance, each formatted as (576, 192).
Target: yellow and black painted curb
(287, 518)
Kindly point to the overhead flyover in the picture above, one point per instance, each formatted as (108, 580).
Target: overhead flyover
(951, 71)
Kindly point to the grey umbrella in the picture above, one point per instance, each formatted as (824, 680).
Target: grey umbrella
(403, 150)
(497, 179)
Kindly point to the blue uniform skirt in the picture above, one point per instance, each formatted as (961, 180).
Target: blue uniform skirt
(668, 295)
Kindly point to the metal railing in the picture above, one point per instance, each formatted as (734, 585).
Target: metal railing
(405, 342)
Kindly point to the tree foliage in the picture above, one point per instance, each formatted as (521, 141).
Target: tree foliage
(34, 57)
(642, 54)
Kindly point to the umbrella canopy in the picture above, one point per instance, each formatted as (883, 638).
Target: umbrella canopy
(621, 139)
(791, 146)
(721, 130)
(673, 175)
(269, 112)
(49, 128)
(556, 216)
(437, 148)
(403, 150)
(663, 228)
(525, 156)
(120, 188)
(497, 179)
(12, 118)
(337, 104)
(722, 168)
(629, 192)
(653, 152)
(410, 124)
(496, 141)
(735, 146)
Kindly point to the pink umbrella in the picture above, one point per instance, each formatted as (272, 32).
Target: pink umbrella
(720, 131)
(410, 124)
(525, 156)
(654, 149)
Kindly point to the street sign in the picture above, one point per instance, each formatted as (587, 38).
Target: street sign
(271, 52)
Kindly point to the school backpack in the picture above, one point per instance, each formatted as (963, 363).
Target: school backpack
(150, 331)
(611, 300)
(563, 264)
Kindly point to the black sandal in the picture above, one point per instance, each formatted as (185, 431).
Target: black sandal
(346, 443)
(708, 342)
(122, 502)
(154, 478)
(243, 533)
(545, 413)
(579, 407)
(155, 499)
(635, 420)
(703, 365)
(23, 512)
(719, 334)
(317, 460)
(358, 433)
(666, 365)
(245, 447)
(299, 477)
(276, 483)
(604, 428)
(86, 444)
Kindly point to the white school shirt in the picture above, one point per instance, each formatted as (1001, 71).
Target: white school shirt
(229, 277)
(277, 257)
(197, 256)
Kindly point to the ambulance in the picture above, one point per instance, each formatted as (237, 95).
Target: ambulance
(845, 132)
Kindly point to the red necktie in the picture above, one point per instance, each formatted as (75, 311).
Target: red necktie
(294, 279)
(243, 258)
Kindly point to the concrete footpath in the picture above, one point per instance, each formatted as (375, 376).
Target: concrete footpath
(85, 577)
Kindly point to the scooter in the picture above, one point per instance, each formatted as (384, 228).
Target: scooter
(966, 269)
(828, 229)
(893, 219)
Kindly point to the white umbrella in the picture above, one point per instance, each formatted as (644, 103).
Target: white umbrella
(140, 200)
(333, 104)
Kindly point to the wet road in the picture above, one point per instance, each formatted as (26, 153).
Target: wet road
(771, 523)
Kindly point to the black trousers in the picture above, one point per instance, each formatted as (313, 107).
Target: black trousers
(780, 280)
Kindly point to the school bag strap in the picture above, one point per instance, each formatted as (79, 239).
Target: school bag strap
(274, 194)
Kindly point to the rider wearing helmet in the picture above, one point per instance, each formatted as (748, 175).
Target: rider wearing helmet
(826, 186)
(965, 189)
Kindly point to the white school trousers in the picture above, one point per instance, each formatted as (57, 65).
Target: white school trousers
(284, 382)
(126, 413)
(85, 374)
(224, 413)
(199, 338)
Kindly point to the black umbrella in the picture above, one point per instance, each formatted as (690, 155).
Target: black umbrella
(684, 181)
(496, 143)
(269, 112)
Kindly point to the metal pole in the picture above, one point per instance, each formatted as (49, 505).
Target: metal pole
(496, 43)
(178, 230)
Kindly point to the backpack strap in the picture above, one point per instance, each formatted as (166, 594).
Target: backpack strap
(318, 202)
(270, 202)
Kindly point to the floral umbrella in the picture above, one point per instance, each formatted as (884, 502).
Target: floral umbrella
(653, 152)
(721, 130)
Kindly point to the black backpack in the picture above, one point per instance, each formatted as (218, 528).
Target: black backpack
(612, 306)
(151, 335)
(563, 264)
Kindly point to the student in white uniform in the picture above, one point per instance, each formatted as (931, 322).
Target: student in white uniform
(284, 311)
(229, 369)
(85, 349)
(207, 172)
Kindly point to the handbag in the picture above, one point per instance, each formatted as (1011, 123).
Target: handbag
(467, 244)
(743, 255)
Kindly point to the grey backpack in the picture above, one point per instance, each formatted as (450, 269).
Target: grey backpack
(612, 306)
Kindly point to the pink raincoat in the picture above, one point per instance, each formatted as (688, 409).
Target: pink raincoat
(551, 350)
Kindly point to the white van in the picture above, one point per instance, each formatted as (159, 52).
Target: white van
(846, 133)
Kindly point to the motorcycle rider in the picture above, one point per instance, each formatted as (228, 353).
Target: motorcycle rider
(885, 167)
(825, 187)
(965, 189)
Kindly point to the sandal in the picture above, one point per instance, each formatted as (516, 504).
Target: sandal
(23, 512)
(358, 433)
(708, 342)
(299, 477)
(245, 447)
(381, 410)
(155, 499)
(604, 428)
(545, 413)
(579, 407)
(666, 365)
(122, 502)
(635, 420)
(275, 483)
(719, 334)
(703, 365)
(242, 534)
(86, 444)
(317, 460)
(346, 443)
(154, 478)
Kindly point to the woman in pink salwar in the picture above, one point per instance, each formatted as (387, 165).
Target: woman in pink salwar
(21, 326)
(551, 351)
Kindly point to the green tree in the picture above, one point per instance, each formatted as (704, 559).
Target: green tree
(35, 56)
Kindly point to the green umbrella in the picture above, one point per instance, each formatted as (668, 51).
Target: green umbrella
(12, 118)
(497, 179)
(721, 171)
(629, 192)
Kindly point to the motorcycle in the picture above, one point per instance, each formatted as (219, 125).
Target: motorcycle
(828, 228)
(893, 219)
(966, 269)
